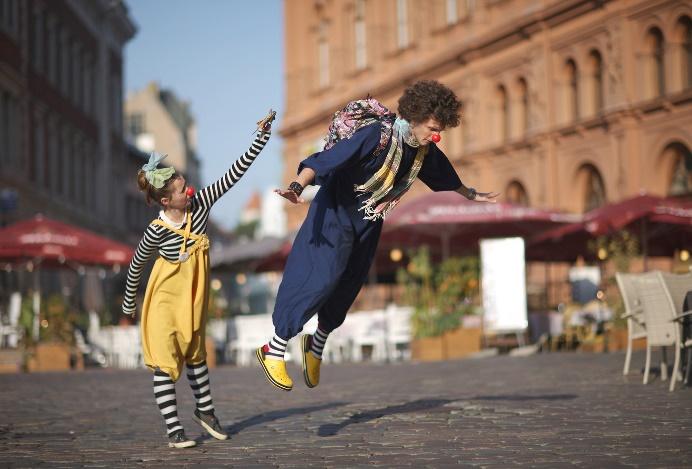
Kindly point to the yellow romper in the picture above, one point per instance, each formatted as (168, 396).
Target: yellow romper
(174, 312)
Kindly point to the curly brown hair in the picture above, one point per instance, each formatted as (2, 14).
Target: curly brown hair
(429, 98)
(151, 193)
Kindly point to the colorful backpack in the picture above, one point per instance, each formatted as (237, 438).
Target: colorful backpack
(358, 114)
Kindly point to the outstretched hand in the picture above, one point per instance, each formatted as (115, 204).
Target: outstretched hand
(290, 196)
(486, 197)
(265, 125)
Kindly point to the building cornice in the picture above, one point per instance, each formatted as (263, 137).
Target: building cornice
(500, 38)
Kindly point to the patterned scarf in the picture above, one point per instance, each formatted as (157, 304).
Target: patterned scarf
(384, 193)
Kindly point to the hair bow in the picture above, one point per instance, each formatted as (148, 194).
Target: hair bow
(157, 177)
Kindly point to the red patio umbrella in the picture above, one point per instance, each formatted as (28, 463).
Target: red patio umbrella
(661, 224)
(452, 225)
(56, 242)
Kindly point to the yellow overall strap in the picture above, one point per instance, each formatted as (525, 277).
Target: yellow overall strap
(186, 234)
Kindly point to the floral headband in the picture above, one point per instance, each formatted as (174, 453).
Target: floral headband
(157, 177)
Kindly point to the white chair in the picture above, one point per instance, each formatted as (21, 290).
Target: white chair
(398, 331)
(246, 334)
(633, 313)
(367, 329)
(677, 287)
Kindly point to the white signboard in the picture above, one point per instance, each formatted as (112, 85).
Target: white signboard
(503, 282)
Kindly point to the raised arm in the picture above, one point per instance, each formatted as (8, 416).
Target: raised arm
(213, 192)
(145, 250)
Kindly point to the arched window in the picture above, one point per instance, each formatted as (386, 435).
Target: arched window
(523, 88)
(516, 194)
(593, 187)
(683, 51)
(503, 108)
(655, 49)
(572, 78)
(596, 76)
(323, 55)
(360, 36)
(681, 159)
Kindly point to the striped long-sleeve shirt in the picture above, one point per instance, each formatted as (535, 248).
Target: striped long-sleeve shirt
(157, 238)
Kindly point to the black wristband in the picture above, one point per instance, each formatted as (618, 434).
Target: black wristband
(296, 188)
(471, 193)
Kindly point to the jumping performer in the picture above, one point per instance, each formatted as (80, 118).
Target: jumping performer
(370, 160)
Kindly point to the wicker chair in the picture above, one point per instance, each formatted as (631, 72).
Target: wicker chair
(677, 287)
(660, 298)
(633, 313)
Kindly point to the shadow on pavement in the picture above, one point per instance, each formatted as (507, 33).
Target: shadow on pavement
(523, 397)
(276, 415)
(332, 429)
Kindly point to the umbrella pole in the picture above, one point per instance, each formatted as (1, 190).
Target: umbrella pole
(643, 237)
(36, 302)
(445, 245)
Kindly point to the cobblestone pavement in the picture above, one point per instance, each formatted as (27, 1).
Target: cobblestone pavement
(549, 410)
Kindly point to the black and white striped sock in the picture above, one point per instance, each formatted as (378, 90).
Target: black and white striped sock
(198, 376)
(276, 348)
(164, 392)
(317, 342)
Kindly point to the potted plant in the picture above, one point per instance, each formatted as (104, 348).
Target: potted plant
(441, 296)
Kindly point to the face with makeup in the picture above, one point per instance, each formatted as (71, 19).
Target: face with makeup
(424, 131)
(177, 199)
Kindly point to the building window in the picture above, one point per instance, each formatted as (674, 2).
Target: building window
(402, 24)
(683, 32)
(65, 57)
(681, 178)
(9, 130)
(75, 92)
(323, 55)
(38, 170)
(523, 88)
(572, 101)
(135, 124)
(38, 45)
(596, 64)
(503, 110)
(360, 36)
(87, 86)
(516, 194)
(52, 51)
(594, 189)
(9, 17)
(656, 62)
(452, 12)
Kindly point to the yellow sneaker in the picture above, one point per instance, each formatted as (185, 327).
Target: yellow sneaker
(311, 365)
(275, 371)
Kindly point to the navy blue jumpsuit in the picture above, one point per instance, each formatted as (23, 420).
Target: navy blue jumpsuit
(335, 246)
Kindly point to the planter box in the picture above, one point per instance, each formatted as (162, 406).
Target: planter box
(454, 344)
(50, 357)
(428, 349)
(11, 360)
(462, 342)
(617, 340)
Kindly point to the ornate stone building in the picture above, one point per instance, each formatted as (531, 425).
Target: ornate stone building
(62, 150)
(567, 104)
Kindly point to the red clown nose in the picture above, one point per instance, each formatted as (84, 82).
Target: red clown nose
(436, 138)
(190, 191)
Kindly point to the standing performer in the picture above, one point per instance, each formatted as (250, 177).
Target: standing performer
(174, 313)
(370, 160)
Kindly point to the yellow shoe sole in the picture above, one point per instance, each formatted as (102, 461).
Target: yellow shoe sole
(260, 358)
(305, 346)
